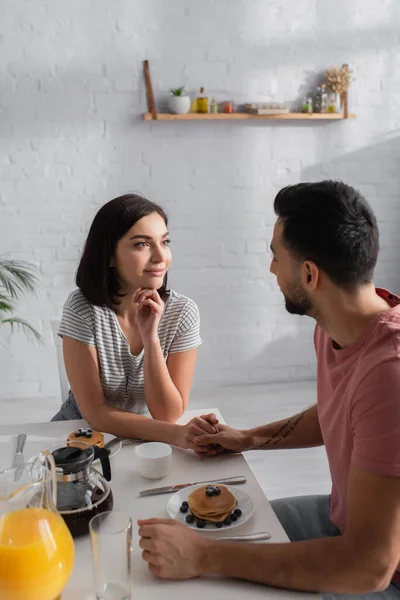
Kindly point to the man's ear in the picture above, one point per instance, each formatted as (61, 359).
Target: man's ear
(310, 275)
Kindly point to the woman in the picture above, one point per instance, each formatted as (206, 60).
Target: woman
(129, 344)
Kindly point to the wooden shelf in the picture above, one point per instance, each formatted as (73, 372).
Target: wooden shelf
(245, 116)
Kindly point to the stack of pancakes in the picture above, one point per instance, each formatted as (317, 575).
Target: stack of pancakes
(96, 438)
(214, 508)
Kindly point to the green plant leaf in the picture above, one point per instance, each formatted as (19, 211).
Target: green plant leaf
(5, 304)
(178, 91)
(21, 323)
(17, 277)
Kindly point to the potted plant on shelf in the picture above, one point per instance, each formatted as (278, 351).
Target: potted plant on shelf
(16, 278)
(179, 101)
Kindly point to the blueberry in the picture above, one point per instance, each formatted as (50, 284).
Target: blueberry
(78, 434)
(217, 491)
(218, 524)
(210, 491)
(238, 512)
(185, 503)
(233, 517)
(189, 519)
(227, 521)
(200, 523)
(88, 435)
(183, 509)
(89, 430)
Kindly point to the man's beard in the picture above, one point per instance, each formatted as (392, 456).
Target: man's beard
(297, 303)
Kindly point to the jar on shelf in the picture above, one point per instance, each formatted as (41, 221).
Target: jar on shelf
(228, 106)
(213, 106)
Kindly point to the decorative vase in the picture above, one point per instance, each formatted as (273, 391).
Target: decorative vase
(179, 105)
(338, 103)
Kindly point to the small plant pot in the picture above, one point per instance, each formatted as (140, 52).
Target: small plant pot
(179, 105)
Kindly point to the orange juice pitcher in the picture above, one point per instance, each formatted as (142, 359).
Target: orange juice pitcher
(36, 547)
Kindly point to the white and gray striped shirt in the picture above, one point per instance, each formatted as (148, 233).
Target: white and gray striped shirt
(121, 373)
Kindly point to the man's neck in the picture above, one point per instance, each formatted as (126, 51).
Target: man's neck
(344, 316)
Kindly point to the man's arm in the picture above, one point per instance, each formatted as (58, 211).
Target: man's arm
(300, 431)
(363, 560)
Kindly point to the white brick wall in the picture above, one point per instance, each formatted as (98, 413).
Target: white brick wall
(71, 138)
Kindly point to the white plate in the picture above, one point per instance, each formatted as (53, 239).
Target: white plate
(244, 502)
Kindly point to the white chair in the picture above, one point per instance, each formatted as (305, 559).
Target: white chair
(62, 374)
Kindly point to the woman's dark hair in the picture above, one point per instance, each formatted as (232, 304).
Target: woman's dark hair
(94, 277)
(331, 224)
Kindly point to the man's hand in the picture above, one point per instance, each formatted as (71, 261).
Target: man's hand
(227, 438)
(172, 550)
(206, 424)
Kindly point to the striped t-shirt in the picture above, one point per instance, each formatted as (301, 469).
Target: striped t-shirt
(121, 373)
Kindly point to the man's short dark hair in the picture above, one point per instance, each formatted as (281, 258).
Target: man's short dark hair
(331, 224)
(95, 277)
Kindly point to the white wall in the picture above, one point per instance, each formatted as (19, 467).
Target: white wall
(71, 97)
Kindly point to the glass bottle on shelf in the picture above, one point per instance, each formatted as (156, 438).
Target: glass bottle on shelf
(324, 99)
(332, 104)
(213, 106)
(202, 102)
(318, 100)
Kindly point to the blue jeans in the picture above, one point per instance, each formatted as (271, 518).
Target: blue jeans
(307, 518)
(69, 410)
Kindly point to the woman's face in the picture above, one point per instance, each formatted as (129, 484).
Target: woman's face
(142, 256)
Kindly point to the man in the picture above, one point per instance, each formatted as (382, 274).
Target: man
(324, 248)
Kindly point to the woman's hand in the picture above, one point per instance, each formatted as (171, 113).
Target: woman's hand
(149, 313)
(199, 426)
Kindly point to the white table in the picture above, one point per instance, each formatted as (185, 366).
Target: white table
(126, 484)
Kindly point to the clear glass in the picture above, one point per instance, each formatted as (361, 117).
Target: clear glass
(111, 536)
(36, 548)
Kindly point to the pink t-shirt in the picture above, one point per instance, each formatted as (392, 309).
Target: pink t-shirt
(359, 403)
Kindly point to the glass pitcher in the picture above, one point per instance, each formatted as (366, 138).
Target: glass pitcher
(36, 547)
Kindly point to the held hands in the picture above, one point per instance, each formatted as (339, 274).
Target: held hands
(199, 426)
(149, 312)
(172, 550)
(226, 439)
(207, 437)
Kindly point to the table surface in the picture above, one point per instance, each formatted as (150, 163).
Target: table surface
(126, 483)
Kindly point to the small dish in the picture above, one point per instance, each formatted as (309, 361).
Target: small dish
(244, 502)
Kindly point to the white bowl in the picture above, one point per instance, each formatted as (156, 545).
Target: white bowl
(153, 460)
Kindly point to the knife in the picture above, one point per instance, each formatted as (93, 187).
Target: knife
(251, 537)
(18, 456)
(174, 488)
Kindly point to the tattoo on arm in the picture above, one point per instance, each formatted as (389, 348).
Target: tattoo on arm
(285, 430)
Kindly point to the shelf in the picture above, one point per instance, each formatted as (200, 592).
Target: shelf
(246, 116)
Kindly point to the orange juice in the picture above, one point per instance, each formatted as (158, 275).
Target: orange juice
(36, 555)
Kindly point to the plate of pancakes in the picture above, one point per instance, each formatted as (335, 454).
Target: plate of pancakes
(210, 507)
(91, 437)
